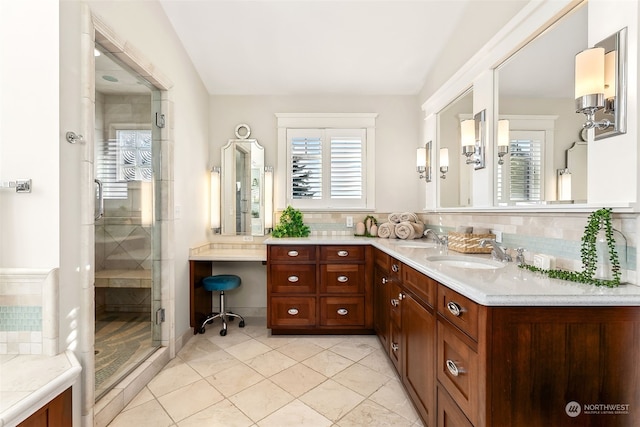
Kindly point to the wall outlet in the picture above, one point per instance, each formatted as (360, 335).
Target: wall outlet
(349, 222)
(247, 238)
(498, 235)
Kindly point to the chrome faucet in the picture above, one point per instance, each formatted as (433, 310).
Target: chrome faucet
(440, 240)
(498, 251)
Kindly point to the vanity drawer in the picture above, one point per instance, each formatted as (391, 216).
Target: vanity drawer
(288, 253)
(335, 253)
(342, 311)
(294, 279)
(458, 370)
(342, 278)
(449, 415)
(292, 311)
(422, 286)
(459, 310)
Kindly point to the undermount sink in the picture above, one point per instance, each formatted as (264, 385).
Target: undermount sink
(461, 261)
(413, 244)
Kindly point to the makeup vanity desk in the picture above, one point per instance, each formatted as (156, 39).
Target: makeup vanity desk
(201, 261)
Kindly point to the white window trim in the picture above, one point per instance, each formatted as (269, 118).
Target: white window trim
(323, 121)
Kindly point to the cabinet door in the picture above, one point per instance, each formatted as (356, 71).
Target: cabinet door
(418, 351)
(57, 413)
(394, 305)
(381, 305)
(449, 415)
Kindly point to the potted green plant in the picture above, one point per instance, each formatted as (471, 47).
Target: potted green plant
(598, 228)
(291, 224)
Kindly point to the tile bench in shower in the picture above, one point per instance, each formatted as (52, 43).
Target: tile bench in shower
(123, 279)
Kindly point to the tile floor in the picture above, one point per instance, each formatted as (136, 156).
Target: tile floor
(250, 378)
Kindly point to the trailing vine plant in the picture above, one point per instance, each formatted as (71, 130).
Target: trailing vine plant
(597, 220)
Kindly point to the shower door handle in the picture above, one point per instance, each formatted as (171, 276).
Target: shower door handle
(100, 200)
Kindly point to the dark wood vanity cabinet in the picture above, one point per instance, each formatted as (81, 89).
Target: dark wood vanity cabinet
(56, 413)
(464, 364)
(319, 289)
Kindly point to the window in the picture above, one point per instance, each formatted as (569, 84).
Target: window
(327, 167)
(127, 157)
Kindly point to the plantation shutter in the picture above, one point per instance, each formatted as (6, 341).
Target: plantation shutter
(327, 167)
(525, 164)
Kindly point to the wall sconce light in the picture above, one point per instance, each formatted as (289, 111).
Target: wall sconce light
(473, 140)
(600, 85)
(215, 199)
(564, 184)
(503, 140)
(268, 198)
(444, 162)
(423, 161)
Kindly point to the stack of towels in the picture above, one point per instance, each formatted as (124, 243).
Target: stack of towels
(403, 225)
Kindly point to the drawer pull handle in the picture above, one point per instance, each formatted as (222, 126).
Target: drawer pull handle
(395, 302)
(343, 279)
(293, 311)
(452, 368)
(293, 279)
(385, 280)
(343, 253)
(395, 268)
(394, 346)
(454, 308)
(292, 253)
(343, 311)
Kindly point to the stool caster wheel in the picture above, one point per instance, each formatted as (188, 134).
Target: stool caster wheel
(241, 324)
(223, 332)
(201, 330)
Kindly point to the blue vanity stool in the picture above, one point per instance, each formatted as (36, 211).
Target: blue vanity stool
(221, 283)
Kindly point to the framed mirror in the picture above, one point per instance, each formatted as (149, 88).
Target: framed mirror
(536, 99)
(455, 188)
(243, 189)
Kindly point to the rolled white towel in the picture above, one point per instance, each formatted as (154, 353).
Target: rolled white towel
(464, 229)
(405, 231)
(394, 218)
(387, 230)
(408, 216)
(418, 228)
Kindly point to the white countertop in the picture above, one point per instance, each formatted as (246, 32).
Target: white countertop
(508, 286)
(28, 382)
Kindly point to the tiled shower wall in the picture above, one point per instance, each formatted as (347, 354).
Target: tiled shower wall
(123, 236)
(556, 234)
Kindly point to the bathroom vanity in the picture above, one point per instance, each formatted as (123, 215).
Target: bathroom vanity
(473, 346)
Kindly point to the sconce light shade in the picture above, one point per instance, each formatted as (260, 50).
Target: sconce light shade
(590, 72)
(468, 133)
(610, 60)
(421, 158)
(268, 197)
(564, 184)
(444, 162)
(503, 140)
(215, 198)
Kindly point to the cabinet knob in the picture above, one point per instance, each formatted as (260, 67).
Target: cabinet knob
(395, 302)
(343, 253)
(454, 308)
(343, 279)
(394, 346)
(453, 368)
(292, 253)
(342, 311)
(385, 280)
(293, 311)
(293, 279)
(401, 296)
(395, 268)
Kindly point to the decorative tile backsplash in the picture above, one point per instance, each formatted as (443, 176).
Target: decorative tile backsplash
(28, 311)
(553, 234)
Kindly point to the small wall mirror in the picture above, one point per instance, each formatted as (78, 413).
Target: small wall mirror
(455, 190)
(243, 193)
